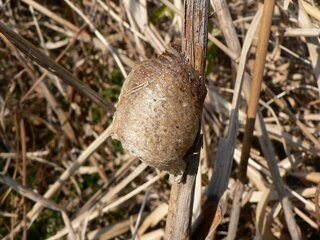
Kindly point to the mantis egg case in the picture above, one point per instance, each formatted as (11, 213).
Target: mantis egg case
(159, 109)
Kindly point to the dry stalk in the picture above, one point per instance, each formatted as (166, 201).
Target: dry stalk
(32, 52)
(28, 193)
(281, 129)
(212, 38)
(233, 43)
(231, 39)
(95, 212)
(24, 171)
(256, 87)
(251, 114)
(194, 47)
(262, 132)
(45, 73)
(45, 11)
(317, 203)
(17, 158)
(37, 208)
(65, 126)
(225, 154)
(274, 170)
(99, 36)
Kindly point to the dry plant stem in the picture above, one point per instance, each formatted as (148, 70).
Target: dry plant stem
(261, 222)
(32, 52)
(194, 47)
(37, 208)
(24, 171)
(99, 36)
(101, 193)
(43, 90)
(139, 219)
(25, 192)
(225, 23)
(283, 105)
(111, 231)
(313, 44)
(194, 41)
(269, 154)
(217, 42)
(96, 212)
(317, 203)
(99, 168)
(211, 217)
(225, 154)
(45, 73)
(117, 18)
(153, 218)
(254, 96)
(45, 11)
(235, 212)
(53, 78)
(181, 198)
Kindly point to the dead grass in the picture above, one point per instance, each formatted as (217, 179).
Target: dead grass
(113, 195)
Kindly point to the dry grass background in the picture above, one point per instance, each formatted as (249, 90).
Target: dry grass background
(113, 195)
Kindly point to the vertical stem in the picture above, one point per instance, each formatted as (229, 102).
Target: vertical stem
(225, 23)
(195, 35)
(24, 172)
(264, 34)
(194, 47)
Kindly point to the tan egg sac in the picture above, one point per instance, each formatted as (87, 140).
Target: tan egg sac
(159, 109)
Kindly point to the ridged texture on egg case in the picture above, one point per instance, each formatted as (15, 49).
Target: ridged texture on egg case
(159, 109)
